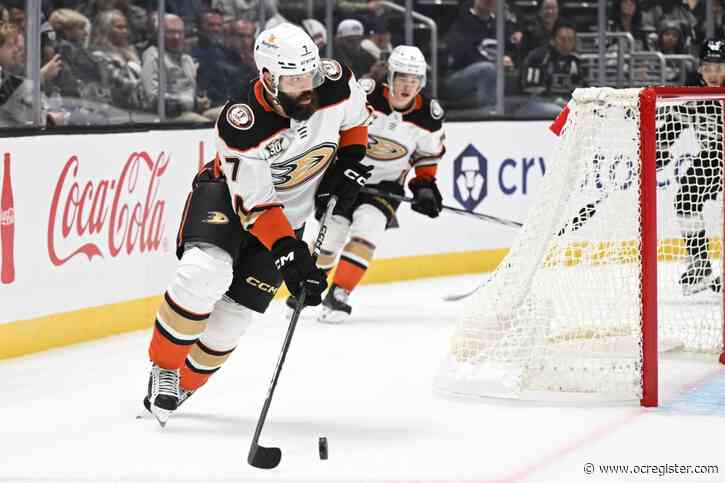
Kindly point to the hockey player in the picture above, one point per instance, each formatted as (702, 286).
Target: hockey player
(240, 233)
(406, 133)
(703, 179)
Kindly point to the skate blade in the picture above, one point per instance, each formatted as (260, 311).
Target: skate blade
(161, 415)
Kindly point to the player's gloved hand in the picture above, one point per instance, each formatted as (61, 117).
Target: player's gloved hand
(292, 258)
(345, 181)
(427, 198)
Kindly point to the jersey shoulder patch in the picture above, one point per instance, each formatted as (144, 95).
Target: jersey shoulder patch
(367, 85)
(245, 125)
(240, 116)
(429, 116)
(436, 110)
(336, 87)
(332, 69)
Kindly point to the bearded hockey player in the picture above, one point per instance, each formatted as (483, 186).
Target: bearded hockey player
(406, 134)
(240, 235)
(702, 181)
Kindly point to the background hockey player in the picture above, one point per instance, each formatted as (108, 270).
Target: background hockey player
(702, 181)
(274, 144)
(406, 133)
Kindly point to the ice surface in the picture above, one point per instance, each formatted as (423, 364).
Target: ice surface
(70, 414)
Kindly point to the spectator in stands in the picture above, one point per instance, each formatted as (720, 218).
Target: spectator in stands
(348, 49)
(181, 101)
(210, 42)
(16, 93)
(698, 10)
(223, 72)
(538, 32)
(81, 75)
(239, 37)
(188, 10)
(378, 43)
(670, 40)
(80, 81)
(137, 21)
(626, 16)
(16, 13)
(472, 52)
(119, 61)
(671, 10)
(551, 72)
(317, 32)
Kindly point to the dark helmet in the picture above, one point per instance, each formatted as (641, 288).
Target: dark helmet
(713, 50)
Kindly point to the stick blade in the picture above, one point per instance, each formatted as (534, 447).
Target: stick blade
(264, 458)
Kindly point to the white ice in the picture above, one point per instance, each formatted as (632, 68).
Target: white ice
(70, 414)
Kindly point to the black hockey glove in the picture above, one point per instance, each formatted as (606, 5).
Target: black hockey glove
(344, 179)
(292, 258)
(427, 198)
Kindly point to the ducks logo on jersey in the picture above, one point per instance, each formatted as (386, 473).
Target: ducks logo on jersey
(293, 172)
(384, 149)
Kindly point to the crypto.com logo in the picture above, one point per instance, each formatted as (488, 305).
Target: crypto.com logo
(470, 180)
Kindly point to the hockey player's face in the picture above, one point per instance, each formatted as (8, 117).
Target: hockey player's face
(713, 73)
(297, 95)
(405, 88)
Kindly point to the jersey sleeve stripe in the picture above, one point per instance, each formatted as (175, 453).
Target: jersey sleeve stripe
(426, 172)
(354, 135)
(271, 226)
(419, 159)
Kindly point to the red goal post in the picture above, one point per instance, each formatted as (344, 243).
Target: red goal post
(649, 99)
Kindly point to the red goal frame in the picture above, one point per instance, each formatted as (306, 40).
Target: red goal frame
(648, 99)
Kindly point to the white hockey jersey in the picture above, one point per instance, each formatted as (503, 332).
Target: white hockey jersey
(399, 141)
(271, 161)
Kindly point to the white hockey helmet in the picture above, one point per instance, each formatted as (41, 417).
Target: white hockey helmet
(407, 59)
(287, 50)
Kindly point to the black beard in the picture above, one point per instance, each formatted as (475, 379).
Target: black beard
(295, 110)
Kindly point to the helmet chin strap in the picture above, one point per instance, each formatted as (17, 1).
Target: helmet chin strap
(275, 82)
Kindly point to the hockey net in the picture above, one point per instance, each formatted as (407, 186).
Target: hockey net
(593, 286)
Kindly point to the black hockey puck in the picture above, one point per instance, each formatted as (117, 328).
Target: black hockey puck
(322, 446)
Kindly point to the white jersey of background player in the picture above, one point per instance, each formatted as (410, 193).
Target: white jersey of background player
(240, 236)
(406, 134)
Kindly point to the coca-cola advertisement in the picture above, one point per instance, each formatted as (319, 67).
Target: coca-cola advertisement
(108, 217)
(92, 220)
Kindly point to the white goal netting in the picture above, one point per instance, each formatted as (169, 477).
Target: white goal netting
(562, 313)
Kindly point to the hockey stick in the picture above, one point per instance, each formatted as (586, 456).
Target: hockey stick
(459, 211)
(262, 456)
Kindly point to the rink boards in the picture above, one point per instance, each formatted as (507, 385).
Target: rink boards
(89, 223)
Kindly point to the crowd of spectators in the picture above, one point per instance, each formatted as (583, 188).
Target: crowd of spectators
(99, 58)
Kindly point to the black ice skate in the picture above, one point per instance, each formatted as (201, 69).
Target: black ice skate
(163, 393)
(335, 308)
(698, 277)
(184, 395)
